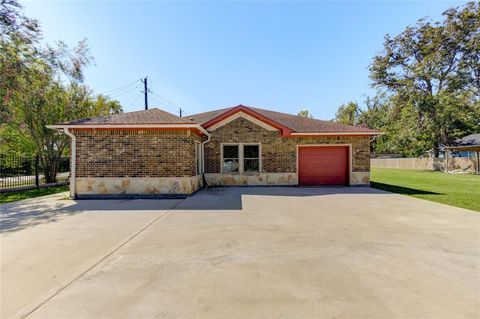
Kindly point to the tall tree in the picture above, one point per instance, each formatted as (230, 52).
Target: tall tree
(19, 37)
(348, 113)
(305, 113)
(397, 119)
(432, 72)
(47, 102)
(41, 85)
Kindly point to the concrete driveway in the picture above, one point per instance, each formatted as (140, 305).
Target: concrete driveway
(241, 253)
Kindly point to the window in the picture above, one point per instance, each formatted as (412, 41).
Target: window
(240, 158)
(251, 158)
(230, 158)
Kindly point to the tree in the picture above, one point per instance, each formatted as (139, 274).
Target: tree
(47, 102)
(19, 37)
(15, 141)
(305, 113)
(348, 113)
(41, 85)
(432, 72)
(396, 118)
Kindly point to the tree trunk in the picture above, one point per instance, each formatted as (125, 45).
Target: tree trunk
(436, 148)
(436, 142)
(50, 168)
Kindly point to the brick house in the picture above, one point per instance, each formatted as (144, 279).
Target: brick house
(153, 153)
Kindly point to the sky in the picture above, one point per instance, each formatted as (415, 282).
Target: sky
(200, 56)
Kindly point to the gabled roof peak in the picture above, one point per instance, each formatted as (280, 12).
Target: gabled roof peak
(287, 122)
(251, 112)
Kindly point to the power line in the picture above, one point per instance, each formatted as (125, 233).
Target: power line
(115, 95)
(114, 91)
(165, 105)
(135, 100)
(164, 99)
(177, 108)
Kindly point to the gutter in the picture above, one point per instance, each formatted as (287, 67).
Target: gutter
(203, 158)
(129, 126)
(337, 134)
(120, 126)
(73, 164)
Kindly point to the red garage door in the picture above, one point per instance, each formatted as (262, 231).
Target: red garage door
(323, 165)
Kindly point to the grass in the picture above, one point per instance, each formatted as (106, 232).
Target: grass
(14, 196)
(456, 190)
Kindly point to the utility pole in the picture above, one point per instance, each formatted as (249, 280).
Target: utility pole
(145, 91)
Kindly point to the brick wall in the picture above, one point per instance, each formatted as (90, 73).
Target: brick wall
(161, 153)
(135, 153)
(278, 153)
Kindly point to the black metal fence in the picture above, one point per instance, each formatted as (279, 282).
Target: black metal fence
(25, 172)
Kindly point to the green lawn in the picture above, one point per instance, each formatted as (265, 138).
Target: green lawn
(11, 197)
(456, 190)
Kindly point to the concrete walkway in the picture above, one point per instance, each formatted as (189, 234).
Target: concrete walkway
(241, 253)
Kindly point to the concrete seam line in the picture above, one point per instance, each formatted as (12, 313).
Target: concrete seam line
(100, 261)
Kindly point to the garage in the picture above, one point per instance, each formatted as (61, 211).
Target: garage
(323, 165)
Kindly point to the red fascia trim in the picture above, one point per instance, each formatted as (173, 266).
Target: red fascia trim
(241, 108)
(194, 130)
(331, 135)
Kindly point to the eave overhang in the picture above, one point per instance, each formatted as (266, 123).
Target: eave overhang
(339, 133)
(183, 126)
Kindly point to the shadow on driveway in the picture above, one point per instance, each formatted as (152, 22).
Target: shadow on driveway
(20, 215)
(25, 213)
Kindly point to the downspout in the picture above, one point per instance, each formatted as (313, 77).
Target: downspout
(73, 164)
(203, 158)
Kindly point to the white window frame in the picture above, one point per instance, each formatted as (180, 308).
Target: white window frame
(240, 151)
(241, 158)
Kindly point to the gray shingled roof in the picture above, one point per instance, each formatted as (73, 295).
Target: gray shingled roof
(156, 116)
(296, 123)
(151, 116)
(469, 140)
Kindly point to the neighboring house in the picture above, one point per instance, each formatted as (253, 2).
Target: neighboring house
(468, 144)
(153, 153)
